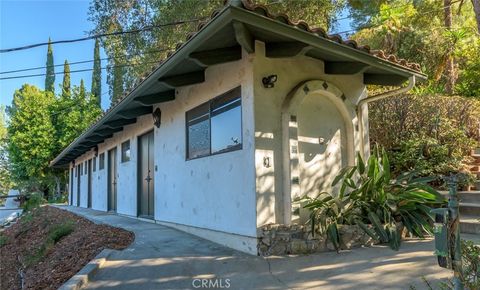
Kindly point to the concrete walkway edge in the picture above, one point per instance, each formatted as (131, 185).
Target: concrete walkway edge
(87, 272)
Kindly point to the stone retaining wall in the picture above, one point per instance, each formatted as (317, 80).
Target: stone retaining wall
(277, 239)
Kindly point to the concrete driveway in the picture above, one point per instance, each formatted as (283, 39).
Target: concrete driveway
(165, 258)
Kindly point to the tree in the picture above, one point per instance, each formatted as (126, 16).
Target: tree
(66, 92)
(5, 179)
(50, 73)
(149, 47)
(31, 136)
(82, 93)
(449, 58)
(476, 9)
(117, 79)
(97, 74)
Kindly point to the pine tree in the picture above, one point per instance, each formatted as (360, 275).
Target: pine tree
(97, 74)
(50, 74)
(66, 90)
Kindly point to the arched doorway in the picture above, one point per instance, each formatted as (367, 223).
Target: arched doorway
(317, 140)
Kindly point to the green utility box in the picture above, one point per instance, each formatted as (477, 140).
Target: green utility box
(440, 229)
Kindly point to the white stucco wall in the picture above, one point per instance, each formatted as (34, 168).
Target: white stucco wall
(268, 123)
(213, 192)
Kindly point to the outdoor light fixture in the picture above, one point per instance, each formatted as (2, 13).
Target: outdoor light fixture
(157, 117)
(95, 149)
(268, 82)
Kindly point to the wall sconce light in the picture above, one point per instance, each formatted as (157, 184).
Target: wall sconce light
(95, 149)
(266, 162)
(157, 117)
(268, 82)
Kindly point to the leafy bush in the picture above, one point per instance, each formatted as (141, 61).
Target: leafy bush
(471, 264)
(370, 195)
(431, 134)
(34, 200)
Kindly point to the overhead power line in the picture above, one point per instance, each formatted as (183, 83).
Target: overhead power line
(83, 61)
(146, 28)
(75, 71)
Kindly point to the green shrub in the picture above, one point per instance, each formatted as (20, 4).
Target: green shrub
(369, 194)
(59, 231)
(471, 264)
(3, 240)
(34, 200)
(55, 234)
(431, 134)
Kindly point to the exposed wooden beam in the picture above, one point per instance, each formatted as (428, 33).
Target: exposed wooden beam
(98, 138)
(286, 49)
(216, 56)
(383, 80)
(132, 113)
(119, 123)
(344, 67)
(183, 79)
(105, 132)
(148, 100)
(244, 37)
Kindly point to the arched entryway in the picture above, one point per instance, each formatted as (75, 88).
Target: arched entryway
(317, 140)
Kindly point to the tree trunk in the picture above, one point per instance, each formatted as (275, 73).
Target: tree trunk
(450, 64)
(57, 187)
(476, 9)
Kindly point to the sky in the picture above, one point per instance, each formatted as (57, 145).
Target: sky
(29, 22)
(25, 22)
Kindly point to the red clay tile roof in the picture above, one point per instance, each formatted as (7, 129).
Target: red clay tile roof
(283, 18)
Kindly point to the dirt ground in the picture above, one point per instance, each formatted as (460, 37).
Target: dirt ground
(40, 252)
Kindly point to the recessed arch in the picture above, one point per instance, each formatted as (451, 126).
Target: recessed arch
(290, 143)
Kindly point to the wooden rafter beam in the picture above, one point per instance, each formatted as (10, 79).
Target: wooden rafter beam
(183, 79)
(133, 113)
(383, 80)
(119, 123)
(216, 56)
(344, 67)
(244, 37)
(148, 100)
(286, 49)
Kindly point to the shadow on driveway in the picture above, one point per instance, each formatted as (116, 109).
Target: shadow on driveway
(165, 258)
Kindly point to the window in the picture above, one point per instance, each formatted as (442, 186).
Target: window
(101, 161)
(94, 164)
(216, 126)
(126, 151)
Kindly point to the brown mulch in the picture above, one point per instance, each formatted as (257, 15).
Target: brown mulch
(22, 254)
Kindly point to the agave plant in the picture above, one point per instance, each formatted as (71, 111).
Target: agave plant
(369, 195)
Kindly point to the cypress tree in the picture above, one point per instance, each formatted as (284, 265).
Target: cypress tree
(82, 93)
(66, 92)
(50, 74)
(117, 79)
(97, 74)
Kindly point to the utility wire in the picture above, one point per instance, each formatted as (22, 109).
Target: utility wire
(82, 61)
(146, 28)
(76, 71)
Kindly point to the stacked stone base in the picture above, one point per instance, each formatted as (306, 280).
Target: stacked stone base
(277, 239)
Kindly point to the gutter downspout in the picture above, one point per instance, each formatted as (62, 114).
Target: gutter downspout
(363, 102)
